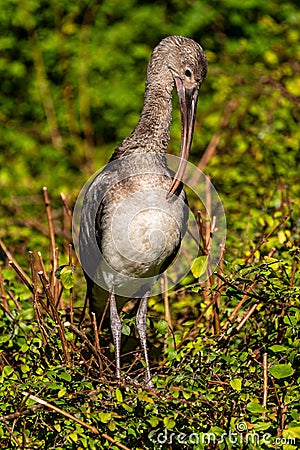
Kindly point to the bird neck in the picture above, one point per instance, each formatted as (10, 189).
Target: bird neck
(152, 133)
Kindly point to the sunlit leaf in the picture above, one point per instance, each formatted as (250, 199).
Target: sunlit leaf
(162, 327)
(198, 266)
(64, 376)
(66, 277)
(255, 408)
(125, 330)
(236, 384)
(105, 417)
(281, 370)
(119, 396)
(169, 423)
(278, 348)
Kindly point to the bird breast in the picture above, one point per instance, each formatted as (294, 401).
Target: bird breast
(140, 229)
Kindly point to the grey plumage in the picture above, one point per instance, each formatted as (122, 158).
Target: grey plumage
(134, 213)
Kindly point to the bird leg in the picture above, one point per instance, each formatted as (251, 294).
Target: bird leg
(116, 329)
(142, 329)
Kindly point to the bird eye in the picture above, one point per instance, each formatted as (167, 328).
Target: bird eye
(188, 73)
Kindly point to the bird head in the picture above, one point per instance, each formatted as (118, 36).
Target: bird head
(185, 61)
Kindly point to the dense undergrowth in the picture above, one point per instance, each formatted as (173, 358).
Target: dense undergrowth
(225, 377)
(227, 374)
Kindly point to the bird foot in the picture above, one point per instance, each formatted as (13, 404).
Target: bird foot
(149, 384)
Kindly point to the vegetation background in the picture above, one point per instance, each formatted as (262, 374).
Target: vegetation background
(72, 83)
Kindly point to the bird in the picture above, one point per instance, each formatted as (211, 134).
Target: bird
(134, 212)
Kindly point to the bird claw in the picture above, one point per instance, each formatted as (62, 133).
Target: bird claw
(149, 384)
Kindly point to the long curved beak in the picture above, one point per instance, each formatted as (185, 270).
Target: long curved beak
(188, 103)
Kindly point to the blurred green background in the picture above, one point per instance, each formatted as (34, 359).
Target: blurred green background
(72, 84)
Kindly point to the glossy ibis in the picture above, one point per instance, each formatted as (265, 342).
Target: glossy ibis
(134, 213)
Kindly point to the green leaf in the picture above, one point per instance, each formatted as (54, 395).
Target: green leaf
(255, 408)
(59, 270)
(291, 432)
(281, 370)
(277, 348)
(74, 436)
(169, 423)
(145, 398)
(216, 430)
(199, 266)
(187, 395)
(162, 327)
(119, 396)
(57, 426)
(175, 394)
(153, 421)
(125, 330)
(236, 384)
(66, 277)
(7, 371)
(127, 407)
(24, 348)
(25, 368)
(105, 417)
(64, 376)
(61, 392)
(112, 425)
(171, 354)
(262, 426)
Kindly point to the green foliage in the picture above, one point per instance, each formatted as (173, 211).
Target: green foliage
(211, 387)
(72, 87)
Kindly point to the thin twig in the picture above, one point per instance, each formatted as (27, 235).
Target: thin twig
(49, 295)
(268, 80)
(282, 413)
(12, 435)
(38, 316)
(71, 289)
(84, 338)
(83, 311)
(56, 285)
(67, 206)
(51, 236)
(17, 414)
(68, 217)
(42, 265)
(97, 343)
(33, 269)
(44, 88)
(36, 307)
(60, 411)
(236, 289)
(214, 142)
(13, 263)
(104, 312)
(11, 295)
(21, 274)
(265, 392)
(249, 314)
(3, 294)
(293, 272)
(265, 238)
(164, 285)
(239, 305)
